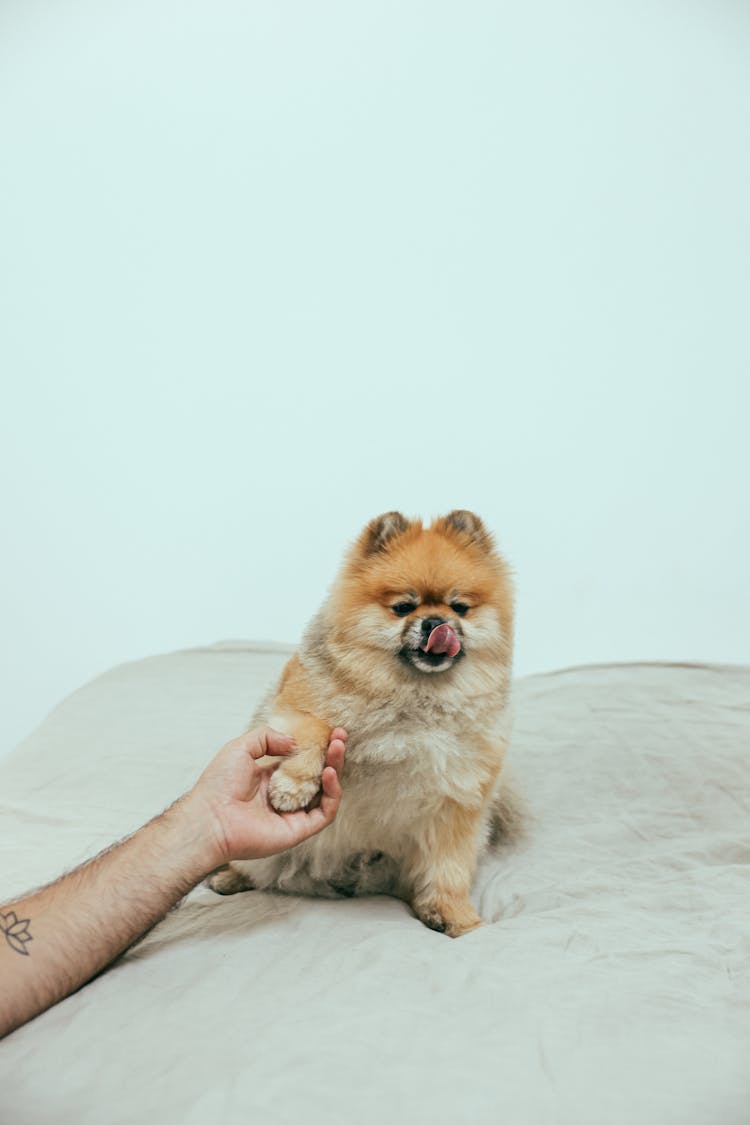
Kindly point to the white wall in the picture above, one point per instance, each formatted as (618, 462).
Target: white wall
(269, 269)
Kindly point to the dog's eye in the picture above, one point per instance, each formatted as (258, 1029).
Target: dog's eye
(401, 609)
(461, 608)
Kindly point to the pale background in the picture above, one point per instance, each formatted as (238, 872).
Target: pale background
(269, 269)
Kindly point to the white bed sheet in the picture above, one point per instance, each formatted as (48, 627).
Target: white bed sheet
(611, 983)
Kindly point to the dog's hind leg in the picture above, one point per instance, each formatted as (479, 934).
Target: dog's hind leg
(229, 880)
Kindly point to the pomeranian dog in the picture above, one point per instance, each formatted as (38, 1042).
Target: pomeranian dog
(411, 653)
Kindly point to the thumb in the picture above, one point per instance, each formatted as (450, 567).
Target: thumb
(266, 740)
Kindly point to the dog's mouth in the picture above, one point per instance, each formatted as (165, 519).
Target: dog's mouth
(442, 641)
(433, 651)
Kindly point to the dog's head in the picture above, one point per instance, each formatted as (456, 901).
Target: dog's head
(424, 599)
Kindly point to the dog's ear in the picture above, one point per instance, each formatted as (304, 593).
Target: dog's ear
(380, 532)
(468, 525)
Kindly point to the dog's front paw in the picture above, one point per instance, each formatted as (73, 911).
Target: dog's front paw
(288, 793)
(451, 918)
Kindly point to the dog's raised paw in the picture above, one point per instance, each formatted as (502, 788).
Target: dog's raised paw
(287, 793)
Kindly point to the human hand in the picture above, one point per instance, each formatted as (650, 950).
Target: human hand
(231, 797)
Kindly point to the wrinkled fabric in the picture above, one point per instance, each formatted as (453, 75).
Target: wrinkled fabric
(611, 983)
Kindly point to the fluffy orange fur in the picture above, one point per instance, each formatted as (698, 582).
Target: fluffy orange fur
(427, 731)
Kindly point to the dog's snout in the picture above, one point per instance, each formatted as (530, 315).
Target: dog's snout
(430, 623)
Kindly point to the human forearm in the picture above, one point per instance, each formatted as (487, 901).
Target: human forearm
(81, 923)
(59, 937)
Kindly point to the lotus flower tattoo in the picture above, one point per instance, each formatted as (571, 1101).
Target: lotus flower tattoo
(16, 933)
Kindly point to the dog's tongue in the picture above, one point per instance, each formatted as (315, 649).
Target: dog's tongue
(443, 638)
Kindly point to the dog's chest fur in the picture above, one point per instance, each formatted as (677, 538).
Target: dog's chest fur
(407, 758)
(406, 754)
(412, 749)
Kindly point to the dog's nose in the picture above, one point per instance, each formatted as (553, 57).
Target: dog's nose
(430, 623)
